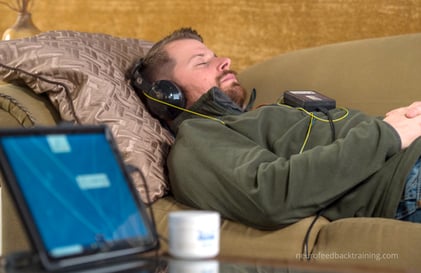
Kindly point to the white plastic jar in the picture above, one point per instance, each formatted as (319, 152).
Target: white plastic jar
(193, 234)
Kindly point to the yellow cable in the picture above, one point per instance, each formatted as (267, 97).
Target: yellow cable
(183, 109)
(325, 120)
(279, 102)
(310, 126)
(312, 117)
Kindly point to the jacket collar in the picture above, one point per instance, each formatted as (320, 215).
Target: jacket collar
(214, 103)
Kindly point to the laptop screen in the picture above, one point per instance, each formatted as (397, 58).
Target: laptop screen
(75, 192)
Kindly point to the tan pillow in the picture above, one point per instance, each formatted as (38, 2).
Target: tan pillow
(84, 77)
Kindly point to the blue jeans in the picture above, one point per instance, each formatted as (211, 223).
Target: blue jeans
(409, 208)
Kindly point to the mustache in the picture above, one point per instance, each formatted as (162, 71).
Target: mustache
(224, 73)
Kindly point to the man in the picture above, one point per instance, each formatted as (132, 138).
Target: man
(254, 167)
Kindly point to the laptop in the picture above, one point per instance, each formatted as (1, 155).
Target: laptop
(75, 196)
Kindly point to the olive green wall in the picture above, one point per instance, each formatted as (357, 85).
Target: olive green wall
(248, 31)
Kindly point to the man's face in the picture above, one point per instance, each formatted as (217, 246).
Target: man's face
(197, 69)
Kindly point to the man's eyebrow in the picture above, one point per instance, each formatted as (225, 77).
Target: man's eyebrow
(197, 55)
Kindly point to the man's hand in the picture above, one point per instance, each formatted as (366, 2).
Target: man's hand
(407, 122)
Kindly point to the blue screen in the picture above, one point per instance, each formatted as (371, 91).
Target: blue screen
(76, 191)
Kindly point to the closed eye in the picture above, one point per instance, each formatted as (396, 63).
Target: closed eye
(202, 59)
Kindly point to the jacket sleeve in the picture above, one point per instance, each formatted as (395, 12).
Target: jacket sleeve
(216, 167)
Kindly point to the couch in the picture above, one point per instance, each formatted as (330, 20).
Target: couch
(373, 75)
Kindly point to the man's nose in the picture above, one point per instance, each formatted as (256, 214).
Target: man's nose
(224, 63)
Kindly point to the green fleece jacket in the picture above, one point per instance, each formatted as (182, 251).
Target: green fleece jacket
(251, 170)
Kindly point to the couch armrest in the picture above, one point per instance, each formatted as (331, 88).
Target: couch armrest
(14, 238)
(20, 107)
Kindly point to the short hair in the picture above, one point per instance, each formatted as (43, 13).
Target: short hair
(156, 63)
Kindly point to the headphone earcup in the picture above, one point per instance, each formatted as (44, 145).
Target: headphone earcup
(165, 97)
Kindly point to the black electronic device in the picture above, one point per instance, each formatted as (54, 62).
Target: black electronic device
(309, 100)
(74, 195)
(163, 98)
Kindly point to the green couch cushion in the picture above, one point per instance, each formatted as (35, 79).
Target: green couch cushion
(238, 240)
(375, 241)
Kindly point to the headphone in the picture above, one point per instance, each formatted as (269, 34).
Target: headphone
(163, 98)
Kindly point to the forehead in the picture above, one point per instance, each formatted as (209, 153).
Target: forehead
(184, 50)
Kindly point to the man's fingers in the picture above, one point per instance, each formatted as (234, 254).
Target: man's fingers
(410, 111)
(413, 110)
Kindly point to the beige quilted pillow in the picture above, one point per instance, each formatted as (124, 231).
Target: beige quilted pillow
(84, 77)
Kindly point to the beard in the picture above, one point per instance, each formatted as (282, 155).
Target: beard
(234, 91)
